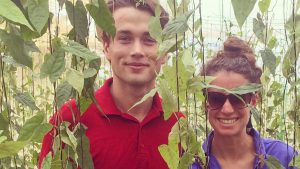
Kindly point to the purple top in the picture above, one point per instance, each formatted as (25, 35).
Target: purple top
(263, 146)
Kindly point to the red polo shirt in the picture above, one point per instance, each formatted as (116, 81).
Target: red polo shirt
(122, 142)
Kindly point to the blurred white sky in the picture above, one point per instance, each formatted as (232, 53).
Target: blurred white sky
(216, 15)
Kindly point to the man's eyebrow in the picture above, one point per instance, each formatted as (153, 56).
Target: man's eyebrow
(123, 32)
(146, 34)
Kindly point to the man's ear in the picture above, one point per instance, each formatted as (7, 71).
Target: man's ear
(104, 38)
(164, 58)
(106, 49)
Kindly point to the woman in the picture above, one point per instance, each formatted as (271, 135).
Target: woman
(234, 144)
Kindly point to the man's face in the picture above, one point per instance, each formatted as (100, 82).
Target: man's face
(132, 52)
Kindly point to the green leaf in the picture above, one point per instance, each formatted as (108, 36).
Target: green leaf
(64, 92)
(170, 154)
(297, 161)
(256, 114)
(10, 11)
(148, 95)
(272, 42)
(34, 128)
(169, 101)
(155, 28)
(188, 61)
(103, 17)
(169, 45)
(184, 74)
(2, 139)
(84, 104)
(90, 72)
(31, 47)
(83, 150)
(259, 28)
(16, 48)
(185, 161)
(248, 88)
(59, 159)
(273, 163)
(197, 83)
(28, 34)
(288, 68)
(67, 136)
(171, 4)
(10, 60)
(54, 65)
(269, 59)
(38, 12)
(78, 18)
(10, 148)
(26, 99)
(264, 5)
(182, 7)
(4, 124)
(198, 24)
(179, 25)
(76, 79)
(72, 138)
(290, 25)
(79, 50)
(46, 164)
(242, 9)
(173, 137)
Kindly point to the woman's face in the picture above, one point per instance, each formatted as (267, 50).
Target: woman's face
(230, 118)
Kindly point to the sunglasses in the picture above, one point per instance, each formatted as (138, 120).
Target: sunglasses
(216, 100)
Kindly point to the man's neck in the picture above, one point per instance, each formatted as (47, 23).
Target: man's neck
(126, 95)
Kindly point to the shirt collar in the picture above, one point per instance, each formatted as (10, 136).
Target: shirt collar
(259, 146)
(107, 104)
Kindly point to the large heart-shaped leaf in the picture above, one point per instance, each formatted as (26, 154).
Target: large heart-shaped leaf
(26, 99)
(38, 12)
(10, 148)
(79, 50)
(76, 79)
(10, 11)
(54, 65)
(269, 59)
(78, 17)
(16, 48)
(179, 25)
(34, 128)
(242, 9)
(102, 17)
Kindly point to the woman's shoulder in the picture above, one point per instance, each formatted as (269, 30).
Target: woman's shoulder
(273, 145)
(280, 150)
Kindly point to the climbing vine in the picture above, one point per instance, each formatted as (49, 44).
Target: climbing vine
(48, 56)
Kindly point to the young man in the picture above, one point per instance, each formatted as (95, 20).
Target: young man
(129, 139)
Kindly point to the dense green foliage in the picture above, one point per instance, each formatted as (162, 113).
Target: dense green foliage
(36, 80)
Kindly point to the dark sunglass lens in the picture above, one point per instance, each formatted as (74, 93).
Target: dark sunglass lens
(240, 101)
(216, 100)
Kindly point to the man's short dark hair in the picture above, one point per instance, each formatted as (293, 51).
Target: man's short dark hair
(143, 5)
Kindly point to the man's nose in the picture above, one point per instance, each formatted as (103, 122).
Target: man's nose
(137, 49)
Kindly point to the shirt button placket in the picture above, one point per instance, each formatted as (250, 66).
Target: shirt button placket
(142, 154)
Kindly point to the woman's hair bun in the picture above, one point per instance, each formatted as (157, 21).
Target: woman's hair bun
(236, 47)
